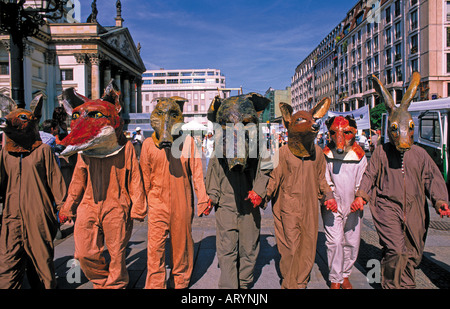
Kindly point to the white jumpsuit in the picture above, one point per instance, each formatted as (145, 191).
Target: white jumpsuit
(343, 228)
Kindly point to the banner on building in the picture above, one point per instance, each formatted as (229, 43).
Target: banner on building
(361, 116)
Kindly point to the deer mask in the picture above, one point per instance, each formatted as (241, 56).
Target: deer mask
(302, 127)
(401, 125)
(166, 119)
(20, 125)
(237, 113)
(96, 127)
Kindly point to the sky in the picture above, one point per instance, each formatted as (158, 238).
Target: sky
(257, 44)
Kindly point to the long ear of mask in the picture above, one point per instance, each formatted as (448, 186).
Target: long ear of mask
(411, 92)
(212, 111)
(36, 105)
(112, 95)
(259, 102)
(286, 113)
(72, 99)
(7, 104)
(321, 108)
(382, 92)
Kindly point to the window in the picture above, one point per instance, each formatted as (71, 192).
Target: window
(388, 36)
(429, 127)
(147, 75)
(148, 82)
(160, 74)
(186, 81)
(388, 76)
(448, 10)
(414, 65)
(388, 56)
(199, 80)
(388, 14)
(186, 73)
(398, 73)
(369, 47)
(398, 30)
(172, 81)
(359, 18)
(397, 10)
(173, 74)
(448, 63)
(448, 37)
(375, 43)
(67, 74)
(413, 20)
(4, 68)
(159, 82)
(369, 65)
(415, 43)
(398, 52)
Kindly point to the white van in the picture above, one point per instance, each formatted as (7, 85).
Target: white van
(431, 119)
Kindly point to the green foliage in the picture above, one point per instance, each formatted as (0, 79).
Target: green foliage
(376, 114)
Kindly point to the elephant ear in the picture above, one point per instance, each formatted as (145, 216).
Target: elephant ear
(213, 108)
(286, 113)
(259, 102)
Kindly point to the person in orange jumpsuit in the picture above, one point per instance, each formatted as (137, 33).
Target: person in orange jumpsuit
(106, 191)
(168, 165)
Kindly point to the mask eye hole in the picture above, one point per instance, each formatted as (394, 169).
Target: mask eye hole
(332, 132)
(411, 125)
(394, 127)
(348, 132)
(23, 117)
(75, 116)
(96, 115)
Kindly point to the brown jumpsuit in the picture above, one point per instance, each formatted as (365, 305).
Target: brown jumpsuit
(167, 181)
(30, 184)
(105, 194)
(295, 187)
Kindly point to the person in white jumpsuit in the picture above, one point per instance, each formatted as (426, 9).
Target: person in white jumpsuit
(343, 227)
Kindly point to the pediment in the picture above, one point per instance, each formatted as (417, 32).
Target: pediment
(120, 40)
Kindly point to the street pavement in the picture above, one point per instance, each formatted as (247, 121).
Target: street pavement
(432, 273)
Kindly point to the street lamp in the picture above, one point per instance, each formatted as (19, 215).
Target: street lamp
(19, 23)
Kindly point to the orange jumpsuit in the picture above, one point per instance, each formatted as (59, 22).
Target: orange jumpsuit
(167, 181)
(105, 194)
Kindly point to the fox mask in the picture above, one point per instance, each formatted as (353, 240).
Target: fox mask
(343, 132)
(302, 127)
(21, 126)
(96, 127)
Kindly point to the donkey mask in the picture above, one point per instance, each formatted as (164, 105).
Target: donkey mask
(401, 125)
(302, 127)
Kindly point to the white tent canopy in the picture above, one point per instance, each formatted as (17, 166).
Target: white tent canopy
(194, 126)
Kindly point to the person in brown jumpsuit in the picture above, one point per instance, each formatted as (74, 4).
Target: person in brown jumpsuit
(32, 189)
(295, 187)
(170, 164)
(397, 181)
(106, 192)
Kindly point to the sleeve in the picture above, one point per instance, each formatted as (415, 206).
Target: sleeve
(76, 189)
(435, 187)
(360, 172)
(370, 175)
(146, 168)
(136, 186)
(274, 178)
(212, 184)
(55, 179)
(324, 189)
(195, 164)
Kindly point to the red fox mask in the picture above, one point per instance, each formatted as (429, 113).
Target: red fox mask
(302, 127)
(21, 126)
(342, 132)
(96, 127)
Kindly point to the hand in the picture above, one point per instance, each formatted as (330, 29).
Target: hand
(331, 205)
(358, 204)
(62, 219)
(444, 211)
(254, 198)
(208, 209)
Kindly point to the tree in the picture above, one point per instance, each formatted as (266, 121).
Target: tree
(376, 115)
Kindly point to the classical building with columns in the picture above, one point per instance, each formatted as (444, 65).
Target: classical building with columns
(82, 55)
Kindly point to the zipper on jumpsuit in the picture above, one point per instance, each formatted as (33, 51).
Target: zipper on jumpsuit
(404, 191)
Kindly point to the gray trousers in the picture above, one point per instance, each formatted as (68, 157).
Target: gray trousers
(342, 232)
(237, 245)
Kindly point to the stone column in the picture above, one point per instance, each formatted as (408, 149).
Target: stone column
(107, 75)
(117, 79)
(139, 97)
(80, 74)
(126, 95)
(133, 108)
(95, 76)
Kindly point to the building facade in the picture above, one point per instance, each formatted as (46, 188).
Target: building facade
(272, 112)
(198, 86)
(86, 56)
(389, 39)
